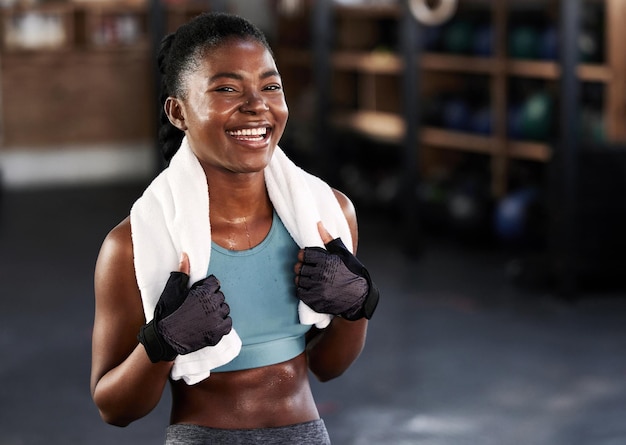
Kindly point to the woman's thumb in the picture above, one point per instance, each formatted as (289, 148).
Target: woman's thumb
(326, 237)
(183, 266)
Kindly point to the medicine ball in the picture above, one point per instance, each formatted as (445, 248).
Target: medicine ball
(458, 37)
(524, 42)
(536, 117)
(516, 216)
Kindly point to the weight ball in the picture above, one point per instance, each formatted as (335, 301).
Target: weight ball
(455, 115)
(524, 43)
(536, 118)
(589, 46)
(468, 210)
(591, 125)
(549, 44)
(463, 210)
(457, 37)
(598, 127)
(482, 44)
(481, 121)
(512, 215)
(468, 216)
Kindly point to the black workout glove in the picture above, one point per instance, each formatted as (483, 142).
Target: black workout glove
(186, 320)
(333, 281)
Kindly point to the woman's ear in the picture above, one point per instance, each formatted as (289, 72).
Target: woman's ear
(174, 111)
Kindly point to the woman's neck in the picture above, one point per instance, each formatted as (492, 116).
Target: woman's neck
(241, 196)
(240, 211)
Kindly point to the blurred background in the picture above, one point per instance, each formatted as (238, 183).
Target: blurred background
(483, 143)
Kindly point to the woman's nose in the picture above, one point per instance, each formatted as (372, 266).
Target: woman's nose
(254, 102)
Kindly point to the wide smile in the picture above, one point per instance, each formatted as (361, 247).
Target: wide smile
(258, 134)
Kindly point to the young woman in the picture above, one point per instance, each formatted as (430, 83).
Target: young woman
(274, 295)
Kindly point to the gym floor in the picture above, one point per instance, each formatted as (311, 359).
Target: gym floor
(455, 354)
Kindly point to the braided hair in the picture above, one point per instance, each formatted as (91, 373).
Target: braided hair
(183, 51)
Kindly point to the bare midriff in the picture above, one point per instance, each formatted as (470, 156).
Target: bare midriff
(270, 396)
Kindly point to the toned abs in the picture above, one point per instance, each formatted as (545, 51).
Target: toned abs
(271, 396)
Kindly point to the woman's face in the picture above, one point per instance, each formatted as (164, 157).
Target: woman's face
(235, 110)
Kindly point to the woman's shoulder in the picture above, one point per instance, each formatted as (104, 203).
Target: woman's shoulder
(350, 213)
(119, 236)
(115, 273)
(346, 204)
(117, 246)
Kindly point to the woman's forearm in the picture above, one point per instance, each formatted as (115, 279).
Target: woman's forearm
(334, 349)
(132, 389)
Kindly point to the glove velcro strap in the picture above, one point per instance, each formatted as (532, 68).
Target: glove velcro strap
(371, 300)
(156, 348)
(337, 247)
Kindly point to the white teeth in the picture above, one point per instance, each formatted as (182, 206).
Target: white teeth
(249, 132)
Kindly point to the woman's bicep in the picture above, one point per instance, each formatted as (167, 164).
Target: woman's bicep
(350, 213)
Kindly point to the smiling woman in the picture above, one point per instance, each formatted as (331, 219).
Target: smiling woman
(274, 294)
(234, 90)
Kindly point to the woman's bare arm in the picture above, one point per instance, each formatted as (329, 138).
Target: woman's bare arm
(332, 350)
(125, 385)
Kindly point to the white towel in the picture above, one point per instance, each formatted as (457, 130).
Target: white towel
(172, 217)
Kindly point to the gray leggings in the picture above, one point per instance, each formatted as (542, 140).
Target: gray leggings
(308, 433)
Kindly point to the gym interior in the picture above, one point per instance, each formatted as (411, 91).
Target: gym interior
(482, 142)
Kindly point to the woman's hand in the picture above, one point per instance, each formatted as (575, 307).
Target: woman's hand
(333, 281)
(186, 320)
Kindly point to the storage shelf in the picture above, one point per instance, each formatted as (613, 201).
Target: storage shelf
(532, 151)
(389, 63)
(552, 70)
(373, 63)
(442, 138)
(461, 64)
(522, 68)
(367, 80)
(376, 125)
(390, 128)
